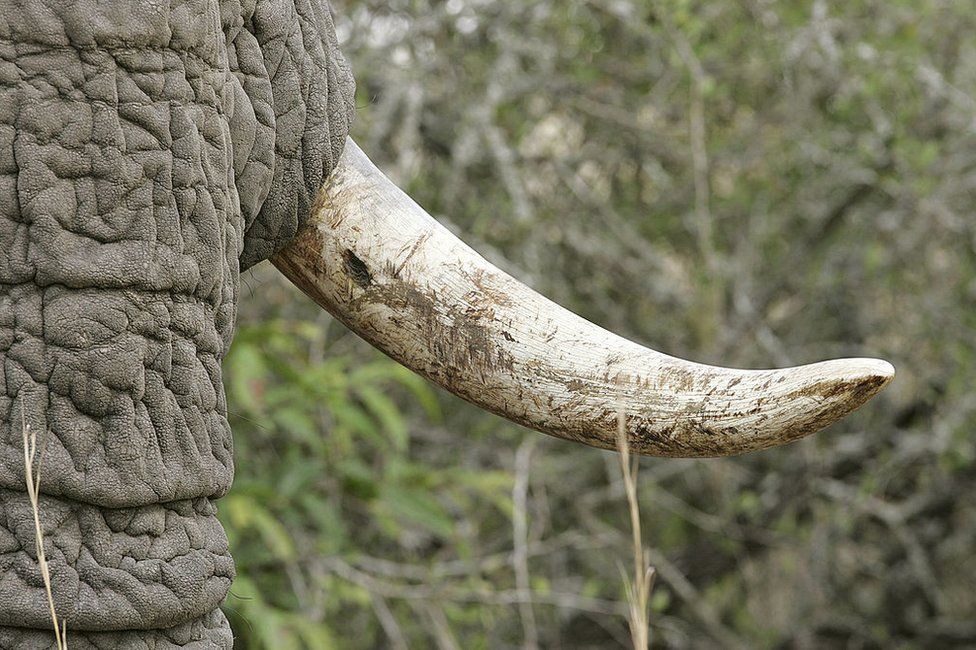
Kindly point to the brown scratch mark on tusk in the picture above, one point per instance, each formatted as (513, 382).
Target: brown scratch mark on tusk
(483, 281)
(413, 249)
(575, 385)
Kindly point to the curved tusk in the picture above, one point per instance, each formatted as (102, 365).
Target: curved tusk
(384, 267)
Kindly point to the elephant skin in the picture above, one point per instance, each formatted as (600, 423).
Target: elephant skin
(149, 152)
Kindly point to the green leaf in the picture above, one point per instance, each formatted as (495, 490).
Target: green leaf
(325, 518)
(356, 421)
(384, 410)
(248, 372)
(418, 508)
(386, 370)
(244, 512)
(660, 600)
(274, 534)
(315, 635)
(358, 479)
(297, 423)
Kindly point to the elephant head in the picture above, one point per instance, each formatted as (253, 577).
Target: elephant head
(151, 152)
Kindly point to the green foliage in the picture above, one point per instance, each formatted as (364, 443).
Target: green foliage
(326, 473)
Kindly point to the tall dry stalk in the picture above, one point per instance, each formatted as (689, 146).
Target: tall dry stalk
(33, 480)
(638, 589)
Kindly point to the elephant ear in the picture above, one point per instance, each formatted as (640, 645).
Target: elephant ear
(291, 111)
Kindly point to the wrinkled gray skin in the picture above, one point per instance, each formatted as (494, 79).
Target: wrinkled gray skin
(149, 152)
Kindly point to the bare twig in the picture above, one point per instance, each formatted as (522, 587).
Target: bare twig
(440, 629)
(388, 622)
(33, 481)
(703, 610)
(504, 598)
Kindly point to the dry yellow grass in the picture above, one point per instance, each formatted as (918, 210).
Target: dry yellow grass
(638, 588)
(33, 480)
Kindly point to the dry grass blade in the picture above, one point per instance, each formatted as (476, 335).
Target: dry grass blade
(638, 588)
(33, 480)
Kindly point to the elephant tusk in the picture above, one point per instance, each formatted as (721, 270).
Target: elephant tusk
(380, 264)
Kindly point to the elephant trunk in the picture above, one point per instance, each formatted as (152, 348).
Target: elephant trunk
(118, 284)
(148, 152)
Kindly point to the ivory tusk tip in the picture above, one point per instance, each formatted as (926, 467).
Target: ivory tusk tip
(842, 386)
(879, 369)
(871, 375)
(776, 407)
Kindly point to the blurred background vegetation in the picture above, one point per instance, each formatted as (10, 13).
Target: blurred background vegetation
(744, 182)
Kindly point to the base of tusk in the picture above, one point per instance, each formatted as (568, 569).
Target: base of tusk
(380, 264)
